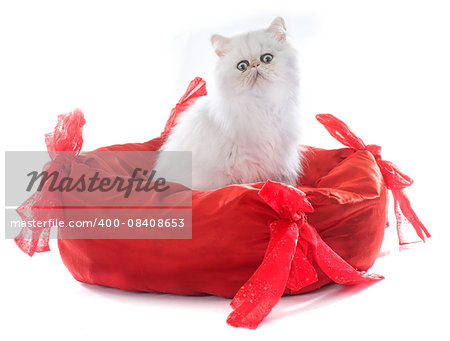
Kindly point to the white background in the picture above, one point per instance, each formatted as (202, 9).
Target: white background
(381, 66)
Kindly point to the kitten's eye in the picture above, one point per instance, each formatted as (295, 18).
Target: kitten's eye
(243, 65)
(266, 58)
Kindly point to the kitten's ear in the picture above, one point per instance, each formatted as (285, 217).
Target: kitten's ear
(278, 28)
(219, 44)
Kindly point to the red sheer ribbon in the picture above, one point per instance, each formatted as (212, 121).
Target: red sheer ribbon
(67, 138)
(293, 245)
(196, 89)
(394, 179)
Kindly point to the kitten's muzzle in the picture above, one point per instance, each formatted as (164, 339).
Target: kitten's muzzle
(255, 64)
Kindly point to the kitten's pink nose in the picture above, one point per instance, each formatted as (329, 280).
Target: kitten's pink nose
(255, 64)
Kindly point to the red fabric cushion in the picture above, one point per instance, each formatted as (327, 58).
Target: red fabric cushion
(230, 231)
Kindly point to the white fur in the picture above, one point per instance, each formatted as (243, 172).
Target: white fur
(247, 130)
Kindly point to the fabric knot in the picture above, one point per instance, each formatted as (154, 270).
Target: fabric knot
(394, 179)
(289, 202)
(287, 263)
(375, 150)
(63, 145)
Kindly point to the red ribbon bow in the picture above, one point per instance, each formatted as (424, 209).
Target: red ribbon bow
(66, 138)
(394, 179)
(293, 245)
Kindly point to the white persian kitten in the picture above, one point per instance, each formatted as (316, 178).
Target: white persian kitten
(247, 130)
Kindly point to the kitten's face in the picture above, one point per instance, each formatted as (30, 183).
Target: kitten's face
(256, 60)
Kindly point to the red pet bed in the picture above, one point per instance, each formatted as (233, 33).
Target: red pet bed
(253, 242)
